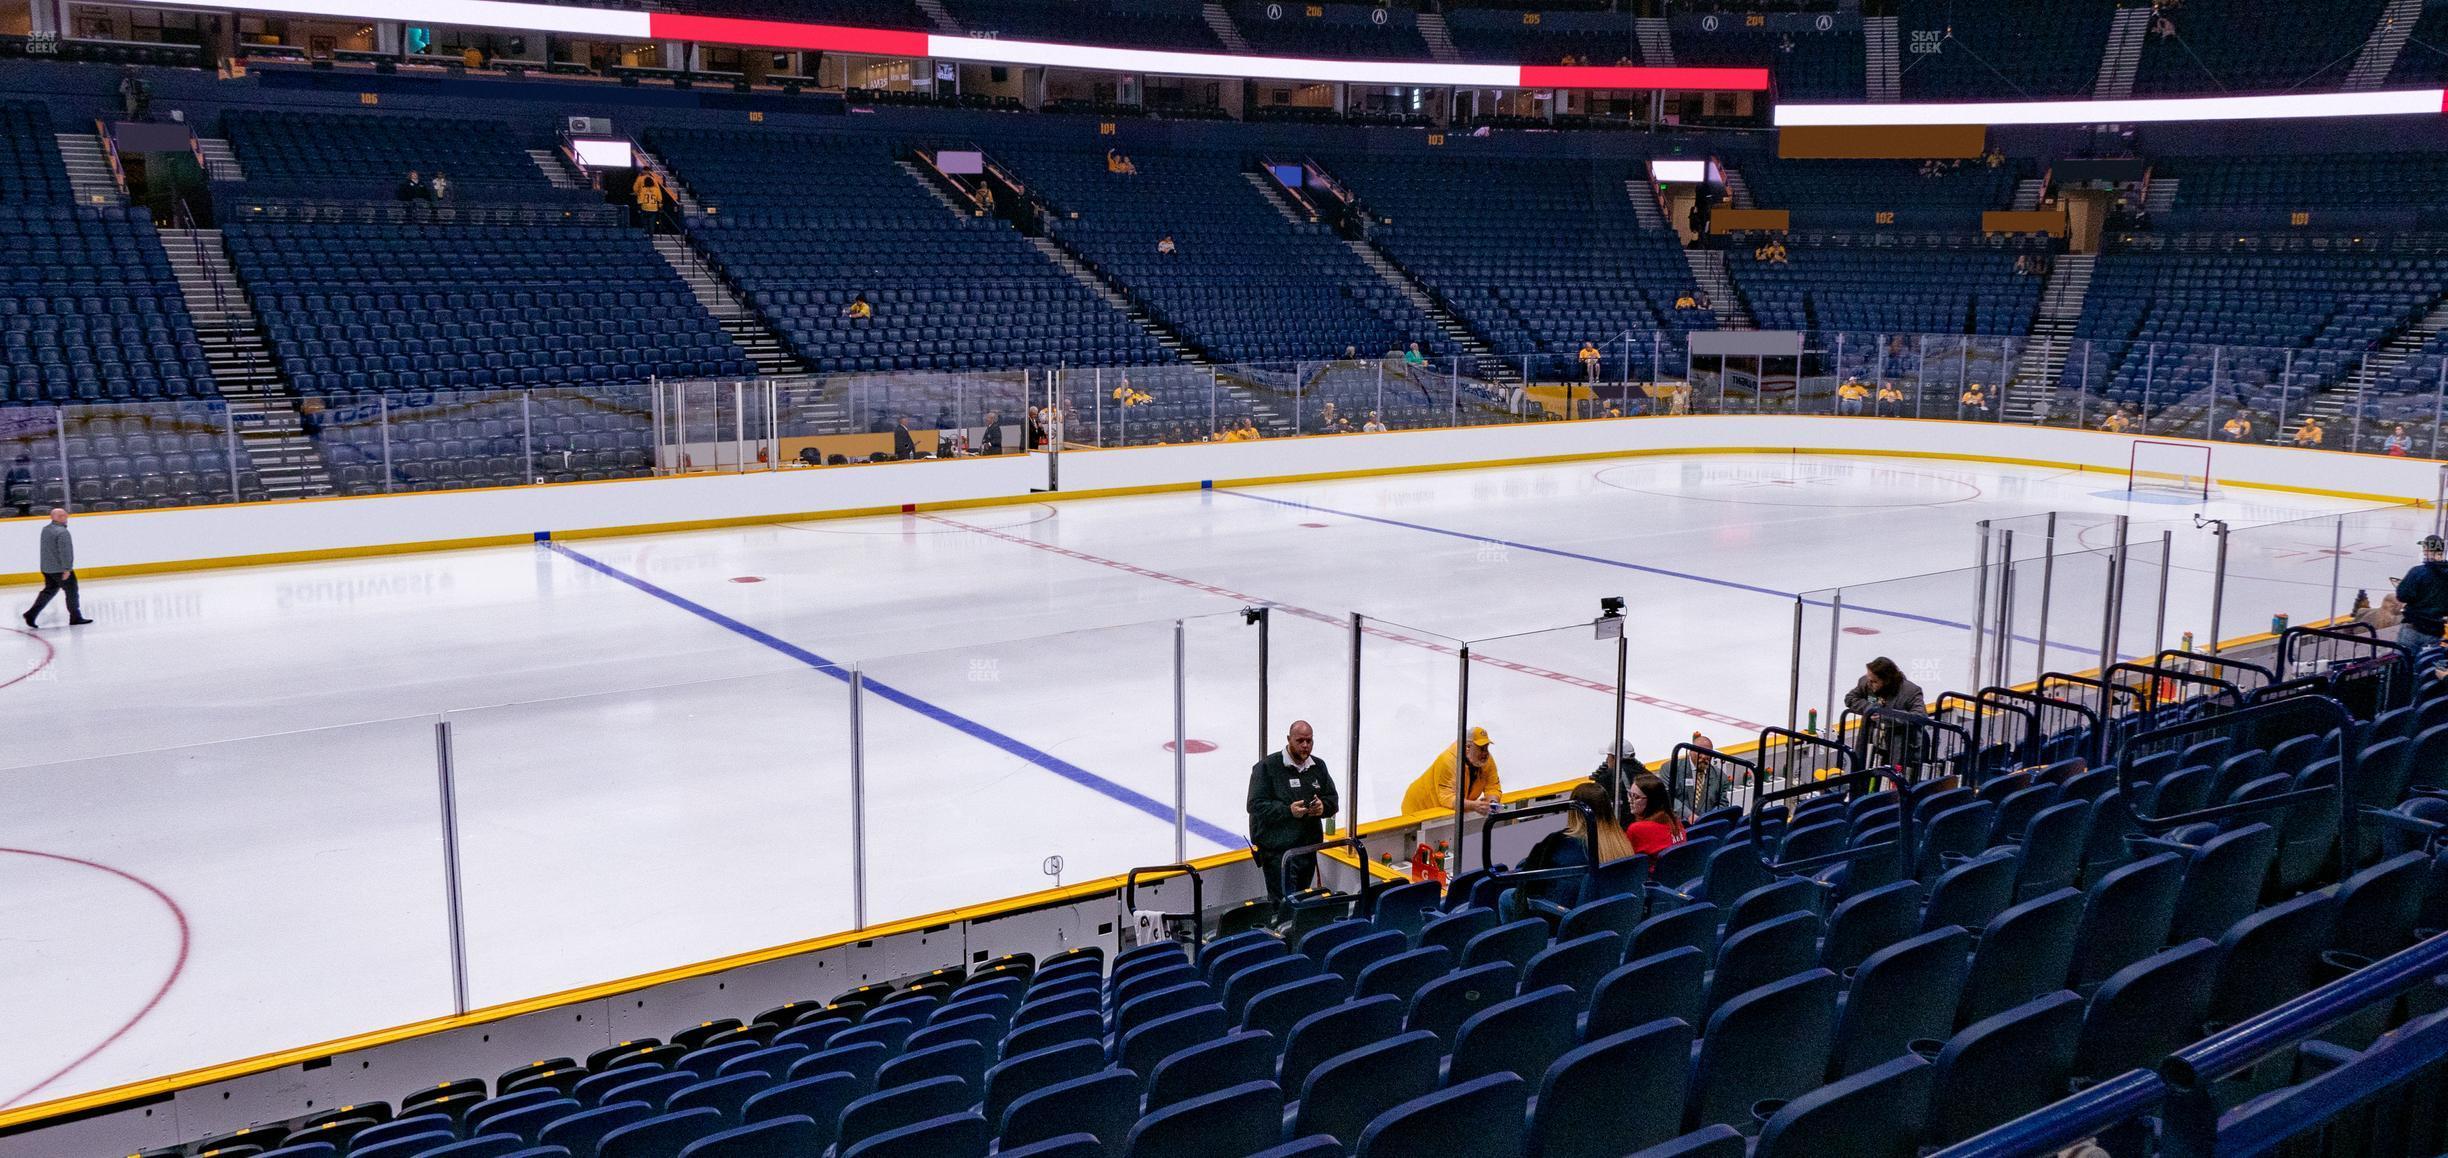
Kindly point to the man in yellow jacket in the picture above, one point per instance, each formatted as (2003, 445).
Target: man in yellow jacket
(1434, 790)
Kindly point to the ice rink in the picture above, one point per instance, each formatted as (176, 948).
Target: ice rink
(223, 830)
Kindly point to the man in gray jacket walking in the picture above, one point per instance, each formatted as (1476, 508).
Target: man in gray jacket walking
(58, 570)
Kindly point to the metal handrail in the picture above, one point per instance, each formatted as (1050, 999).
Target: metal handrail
(1589, 840)
(1198, 897)
(1676, 763)
(1368, 880)
(2342, 721)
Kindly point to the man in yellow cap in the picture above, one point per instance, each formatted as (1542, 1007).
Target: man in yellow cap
(1434, 790)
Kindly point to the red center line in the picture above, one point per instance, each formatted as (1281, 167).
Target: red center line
(1366, 626)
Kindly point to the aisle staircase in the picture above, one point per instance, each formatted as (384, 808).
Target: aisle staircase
(1221, 23)
(1656, 41)
(1884, 67)
(2121, 58)
(2386, 43)
(220, 164)
(1087, 275)
(2033, 387)
(771, 355)
(2380, 367)
(1447, 322)
(681, 198)
(1708, 270)
(1645, 203)
(262, 407)
(90, 178)
(555, 169)
(1265, 185)
(1438, 37)
(1738, 191)
(940, 18)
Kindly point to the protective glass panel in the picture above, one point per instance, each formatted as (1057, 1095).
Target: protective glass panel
(37, 476)
(980, 767)
(1410, 689)
(147, 892)
(133, 456)
(612, 835)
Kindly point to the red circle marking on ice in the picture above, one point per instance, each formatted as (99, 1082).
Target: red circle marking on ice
(1313, 524)
(748, 579)
(178, 964)
(1193, 747)
(1861, 631)
(32, 668)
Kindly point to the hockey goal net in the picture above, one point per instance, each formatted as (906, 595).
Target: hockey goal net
(2176, 468)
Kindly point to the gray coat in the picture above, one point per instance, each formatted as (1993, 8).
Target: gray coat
(58, 550)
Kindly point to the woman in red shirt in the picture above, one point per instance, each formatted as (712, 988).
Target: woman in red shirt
(1655, 827)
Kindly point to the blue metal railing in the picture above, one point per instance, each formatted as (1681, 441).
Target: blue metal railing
(2180, 1088)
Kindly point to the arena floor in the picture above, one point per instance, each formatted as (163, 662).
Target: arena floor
(223, 831)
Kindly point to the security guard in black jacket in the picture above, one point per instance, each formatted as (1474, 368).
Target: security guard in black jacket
(1290, 795)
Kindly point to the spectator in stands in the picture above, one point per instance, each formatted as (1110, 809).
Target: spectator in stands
(2310, 432)
(905, 445)
(471, 58)
(57, 562)
(310, 421)
(1246, 432)
(1883, 686)
(1413, 358)
(1570, 848)
(990, 440)
(441, 185)
(1374, 425)
(1685, 301)
(1290, 794)
(1330, 420)
(1434, 790)
(1654, 827)
(135, 94)
(1610, 771)
(2238, 428)
(649, 194)
(1850, 395)
(1164, 245)
(2423, 591)
(2388, 616)
(1890, 400)
(1699, 219)
(1589, 361)
(1975, 403)
(1118, 164)
(810, 456)
(411, 187)
(2399, 444)
(858, 308)
(2115, 422)
(1032, 429)
(1772, 253)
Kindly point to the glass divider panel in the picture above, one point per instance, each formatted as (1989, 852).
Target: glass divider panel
(154, 881)
(978, 768)
(617, 834)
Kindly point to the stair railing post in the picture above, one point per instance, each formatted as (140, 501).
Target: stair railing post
(2439, 402)
(2286, 388)
(2362, 396)
(59, 422)
(382, 411)
(229, 438)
